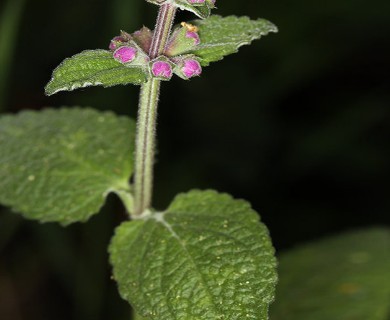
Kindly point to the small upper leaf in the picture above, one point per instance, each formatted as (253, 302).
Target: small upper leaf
(343, 277)
(221, 36)
(201, 10)
(206, 257)
(94, 68)
(59, 165)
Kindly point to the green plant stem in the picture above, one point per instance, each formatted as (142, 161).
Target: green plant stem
(147, 116)
(165, 18)
(145, 145)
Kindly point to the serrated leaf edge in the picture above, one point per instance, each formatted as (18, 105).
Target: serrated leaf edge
(159, 218)
(86, 83)
(273, 28)
(121, 190)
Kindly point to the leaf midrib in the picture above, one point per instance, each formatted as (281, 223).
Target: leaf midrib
(89, 77)
(192, 261)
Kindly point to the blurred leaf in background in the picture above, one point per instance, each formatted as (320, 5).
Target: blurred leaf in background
(344, 277)
(10, 15)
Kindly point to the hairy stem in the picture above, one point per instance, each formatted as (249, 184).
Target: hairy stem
(164, 22)
(147, 116)
(145, 145)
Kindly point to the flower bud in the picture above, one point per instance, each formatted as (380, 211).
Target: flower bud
(143, 38)
(162, 69)
(125, 54)
(118, 41)
(191, 68)
(115, 43)
(187, 66)
(183, 39)
(193, 35)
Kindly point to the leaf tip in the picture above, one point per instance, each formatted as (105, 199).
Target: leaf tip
(272, 27)
(48, 91)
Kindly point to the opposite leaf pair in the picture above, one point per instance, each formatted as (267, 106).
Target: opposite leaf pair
(206, 256)
(218, 37)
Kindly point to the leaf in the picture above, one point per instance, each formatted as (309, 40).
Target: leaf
(343, 277)
(59, 165)
(221, 36)
(202, 11)
(138, 317)
(206, 257)
(94, 68)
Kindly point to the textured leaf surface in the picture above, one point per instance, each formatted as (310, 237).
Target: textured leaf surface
(202, 11)
(138, 317)
(221, 36)
(206, 257)
(94, 68)
(59, 165)
(342, 278)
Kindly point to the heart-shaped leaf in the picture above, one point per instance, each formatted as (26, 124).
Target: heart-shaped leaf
(206, 257)
(59, 165)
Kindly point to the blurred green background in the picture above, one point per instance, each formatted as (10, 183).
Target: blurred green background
(298, 124)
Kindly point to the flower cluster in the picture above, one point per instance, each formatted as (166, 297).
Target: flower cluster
(133, 49)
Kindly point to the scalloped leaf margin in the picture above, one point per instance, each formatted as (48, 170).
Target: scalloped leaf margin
(206, 257)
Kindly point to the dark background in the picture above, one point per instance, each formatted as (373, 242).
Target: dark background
(297, 124)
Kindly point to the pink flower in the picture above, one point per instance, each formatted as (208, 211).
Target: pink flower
(114, 42)
(162, 69)
(191, 68)
(118, 41)
(125, 54)
(193, 35)
(196, 1)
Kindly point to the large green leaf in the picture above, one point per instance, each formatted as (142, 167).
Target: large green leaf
(206, 257)
(138, 317)
(221, 36)
(345, 277)
(59, 165)
(94, 68)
